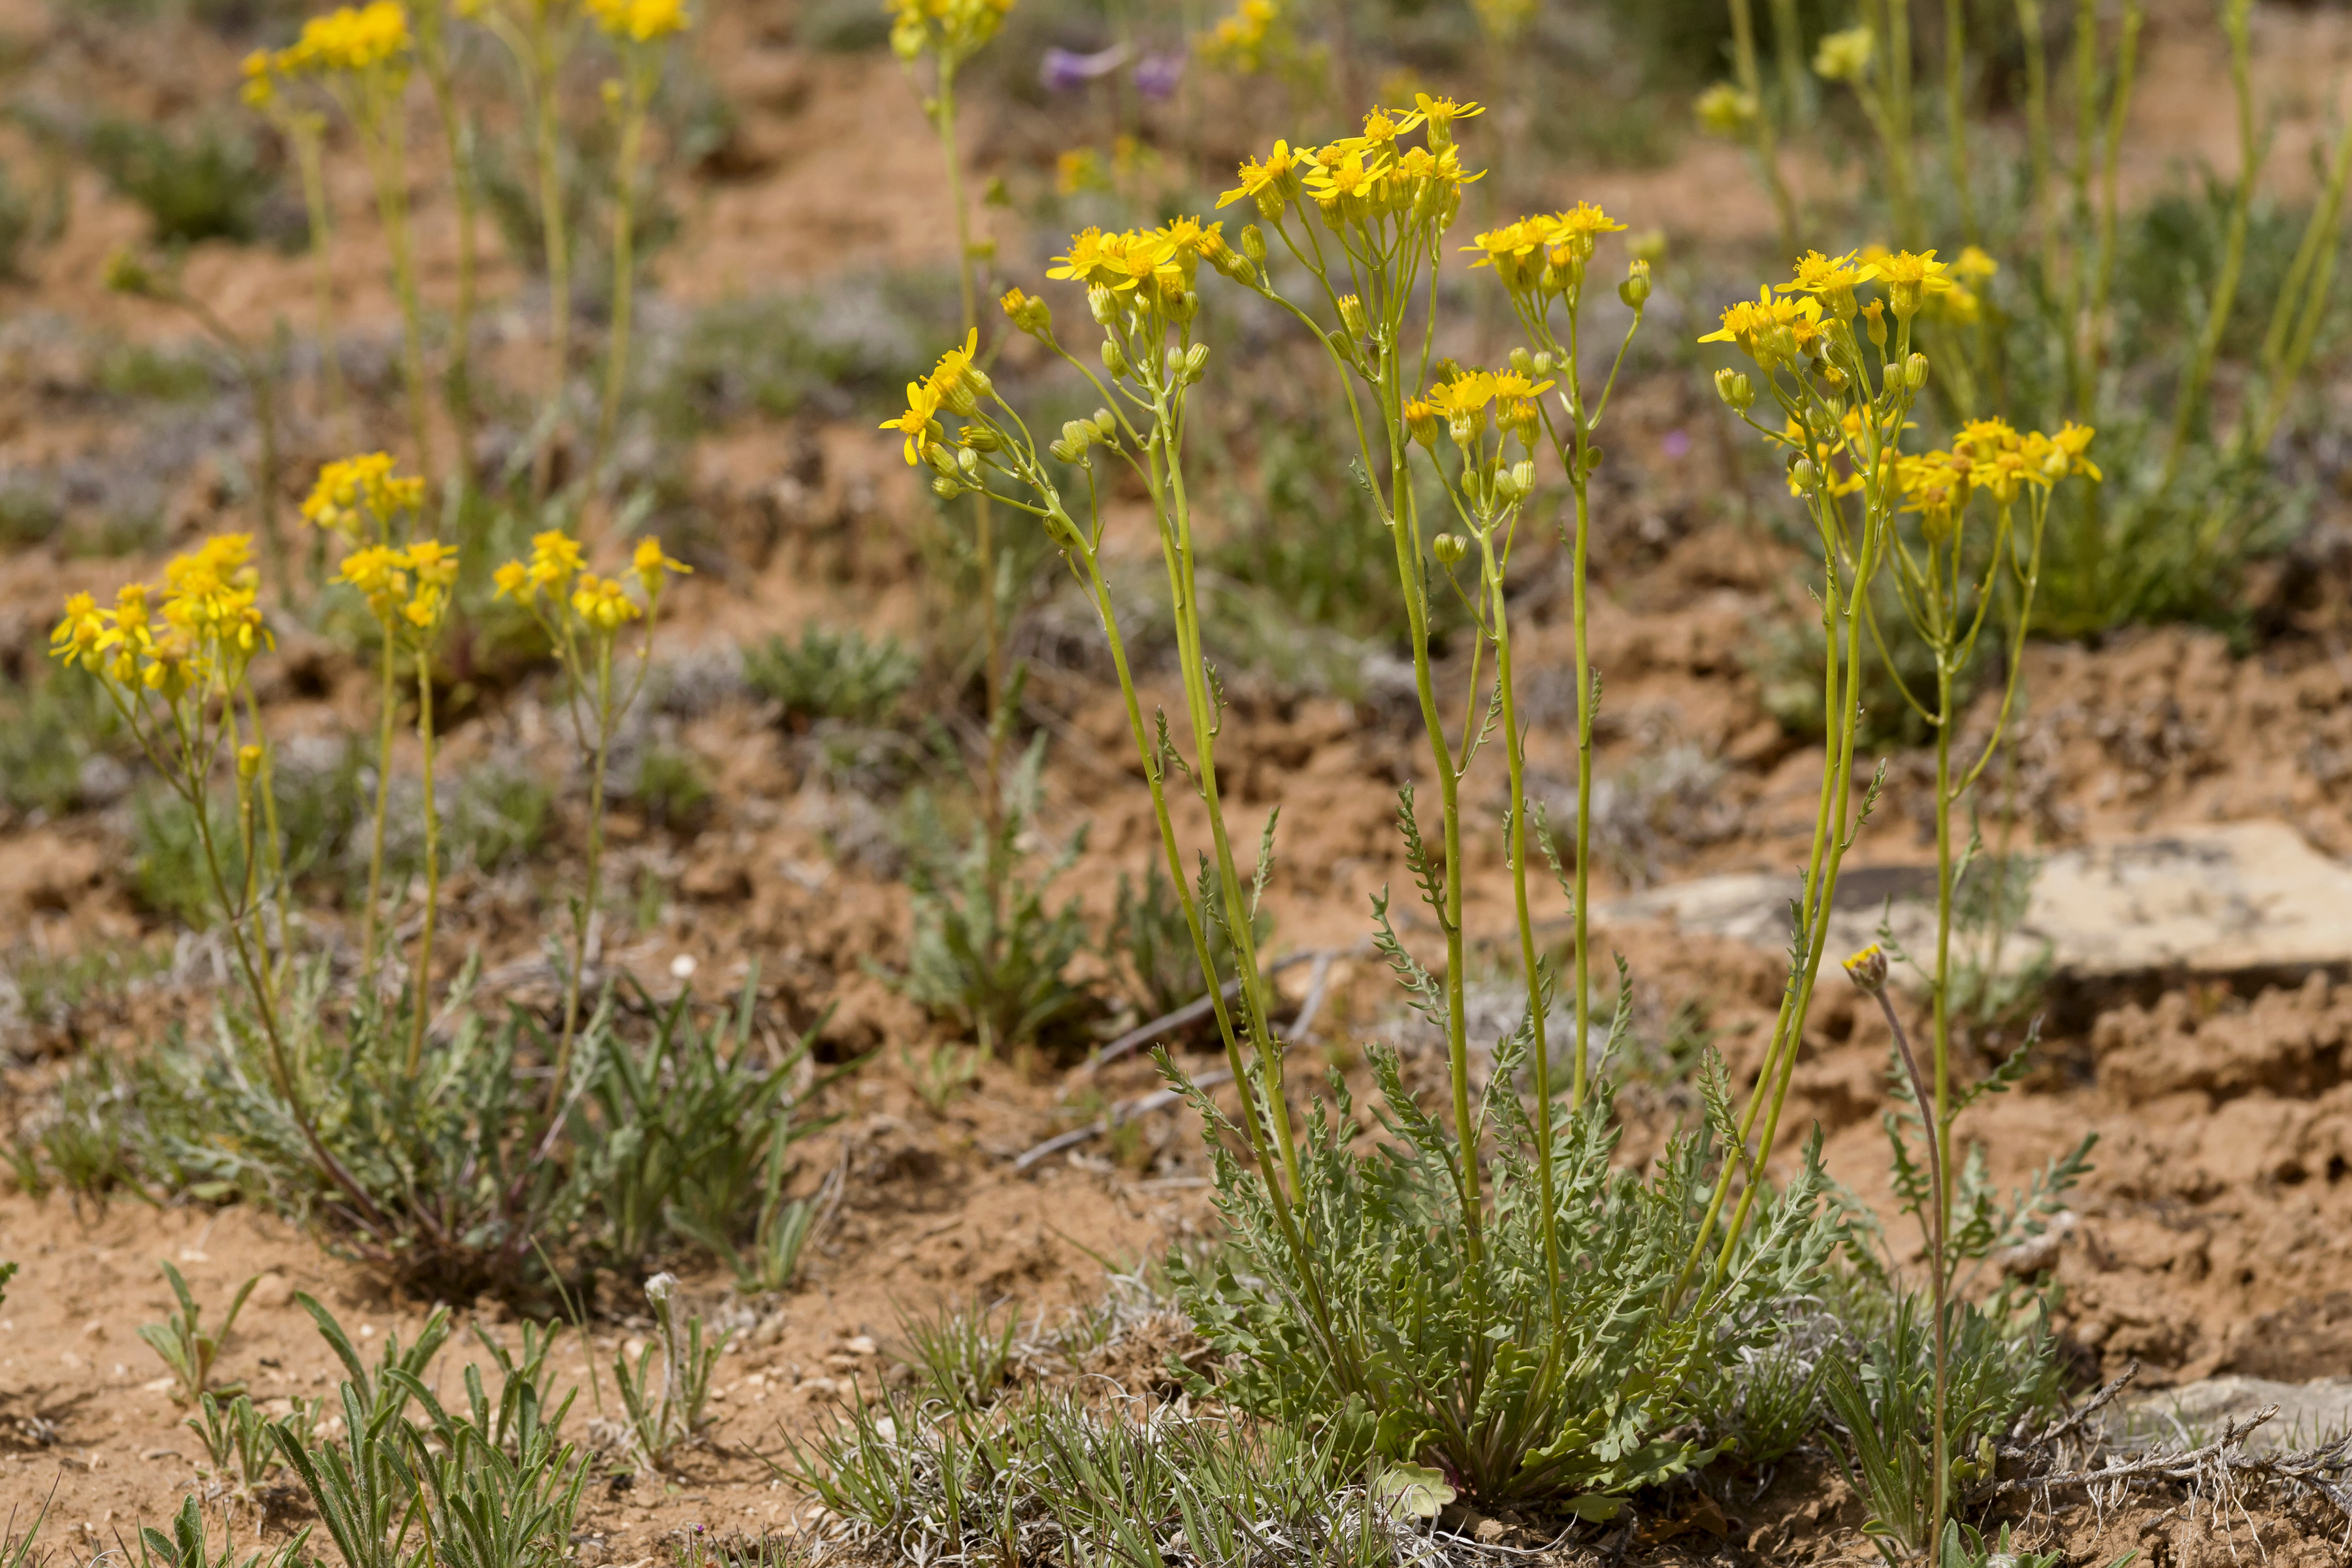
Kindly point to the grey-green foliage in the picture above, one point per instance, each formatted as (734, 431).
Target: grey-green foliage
(832, 351)
(487, 1486)
(208, 184)
(187, 1347)
(841, 675)
(1391, 1333)
(185, 1546)
(695, 1135)
(671, 786)
(1040, 1477)
(237, 1439)
(662, 1417)
(1881, 1388)
(1150, 946)
(964, 1352)
(48, 729)
(988, 951)
(451, 1176)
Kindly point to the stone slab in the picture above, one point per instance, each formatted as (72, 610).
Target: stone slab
(2219, 900)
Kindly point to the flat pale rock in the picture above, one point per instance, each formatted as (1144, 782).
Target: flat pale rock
(2310, 1414)
(2214, 899)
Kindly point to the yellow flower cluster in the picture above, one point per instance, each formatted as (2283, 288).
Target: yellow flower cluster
(1365, 180)
(407, 589)
(1725, 110)
(1461, 404)
(1240, 42)
(955, 382)
(554, 577)
(1545, 254)
(200, 639)
(1167, 258)
(1992, 456)
(1779, 326)
(360, 495)
(639, 21)
(955, 29)
(351, 38)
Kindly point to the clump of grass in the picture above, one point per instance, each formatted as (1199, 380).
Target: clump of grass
(988, 950)
(826, 674)
(208, 183)
(672, 786)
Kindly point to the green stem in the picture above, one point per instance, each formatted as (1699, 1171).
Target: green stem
(992, 802)
(1764, 142)
(1514, 753)
(544, 66)
(1587, 705)
(2235, 22)
(386, 700)
(624, 218)
(1956, 119)
(586, 915)
(432, 867)
(389, 143)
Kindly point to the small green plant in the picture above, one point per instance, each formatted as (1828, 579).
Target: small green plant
(832, 675)
(1149, 945)
(208, 184)
(940, 1070)
(672, 786)
(187, 1347)
(237, 1440)
(659, 1422)
(187, 1546)
(49, 731)
(987, 950)
(364, 1485)
(963, 1353)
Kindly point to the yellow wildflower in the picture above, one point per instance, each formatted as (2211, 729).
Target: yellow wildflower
(1724, 110)
(602, 602)
(639, 21)
(653, 567)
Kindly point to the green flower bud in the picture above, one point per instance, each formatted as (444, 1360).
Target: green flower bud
(1914, 371)
(1449, 549)
(1113, 359)
(1734, 387)
(1635, 289)
(1254, 245)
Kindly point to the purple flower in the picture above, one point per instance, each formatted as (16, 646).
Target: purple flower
(1157, 76)
(1676, 444)
(1065, 71)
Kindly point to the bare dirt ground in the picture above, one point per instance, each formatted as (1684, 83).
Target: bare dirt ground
(2212, 1236)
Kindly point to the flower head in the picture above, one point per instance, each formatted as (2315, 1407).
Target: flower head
(352, 39)
(639, 21)
(1772, 327)
(653, 568)
(1724, 110)
(352, 493)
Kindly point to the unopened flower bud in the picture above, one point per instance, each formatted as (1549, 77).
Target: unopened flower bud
(1914, 371)
(942, 461)
(1066, 450)
(1635, 289)
(1028, 313)
(1270, 203)
(1184, 306)
(1351, 316)
(945, 489)
(1113, 359)
(980, 439)
(977, 380)
(248, 761)
(1464, 431)
(1805, 475)
(1106, 425)
(1196, 358)
(1734, 387)
(1171, 365)
(1523, 477)
(1868, 970)
(1422, 419)
(1077, 435)
(1102, 304)
(1523, 362)
(1545, 365)
(969, 462)
(1449, 549)
(1254, 245)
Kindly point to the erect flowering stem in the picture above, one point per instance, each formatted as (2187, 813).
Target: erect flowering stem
(1763, 142)
(457, 133)
(387, 144)
(303, 130)
(983, 529)
(584, 918)
(422, 983)
(387, 701)
(624, 258)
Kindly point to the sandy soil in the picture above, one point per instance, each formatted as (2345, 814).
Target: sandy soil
(2211, 1236)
